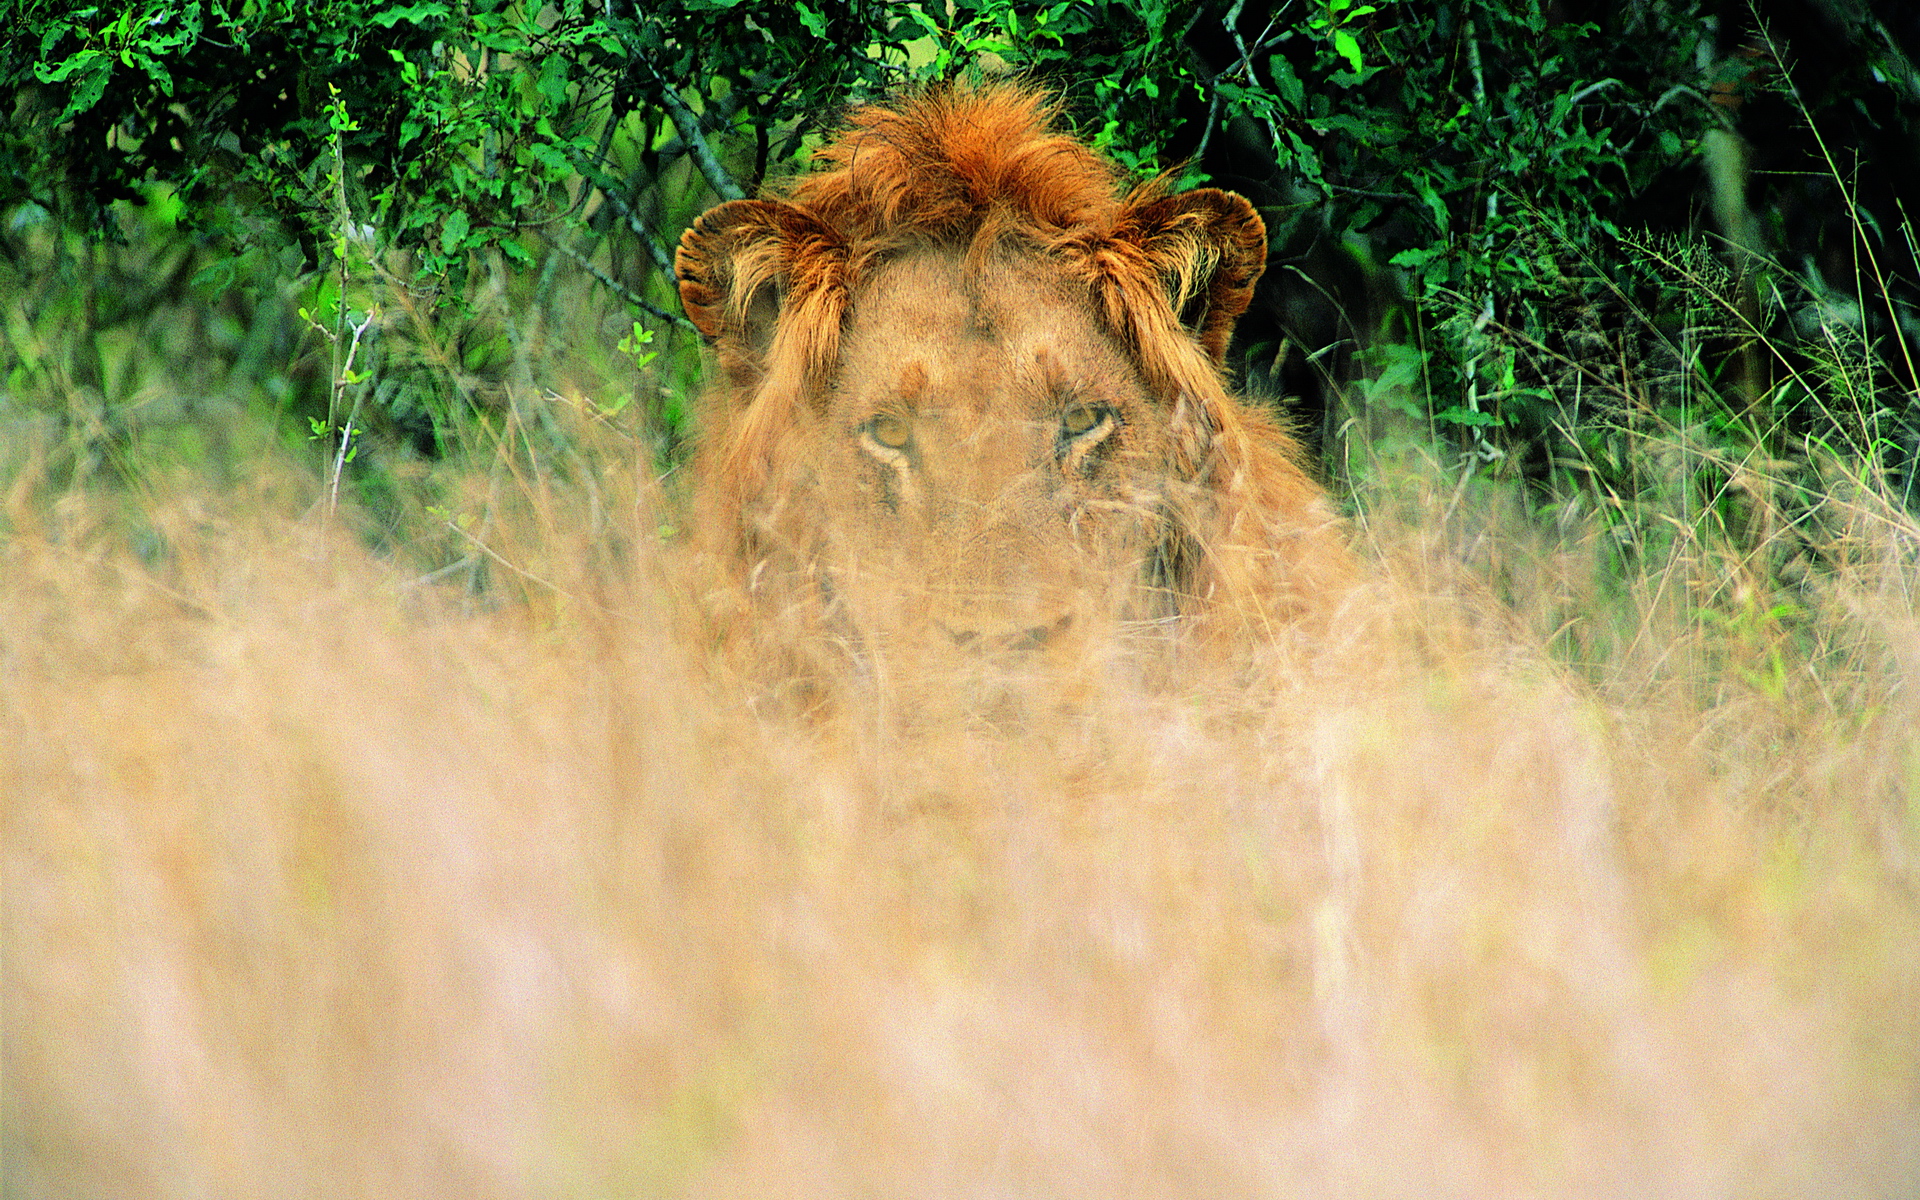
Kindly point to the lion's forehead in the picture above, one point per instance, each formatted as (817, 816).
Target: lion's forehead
(931, 289)
(935, 332)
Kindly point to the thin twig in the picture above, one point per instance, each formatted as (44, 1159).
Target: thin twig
(439, 573)
(1590, 89)
(626, 293)
(491, 553)
(346, 431)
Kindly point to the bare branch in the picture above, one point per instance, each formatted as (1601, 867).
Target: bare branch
(1213, 119)
(624, 292)
(1591, 88)
(662, 261)
(688, 126)
(1245, 65)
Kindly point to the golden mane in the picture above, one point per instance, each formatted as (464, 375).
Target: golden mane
(952, 163)
(971, 166)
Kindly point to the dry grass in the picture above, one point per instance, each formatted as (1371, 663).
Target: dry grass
(318, 883)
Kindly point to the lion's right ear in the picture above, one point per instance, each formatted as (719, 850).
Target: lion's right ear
(1208, 247)
(735, 266)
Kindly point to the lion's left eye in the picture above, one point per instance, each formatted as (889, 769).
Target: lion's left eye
(1083, 419)
(891, 432)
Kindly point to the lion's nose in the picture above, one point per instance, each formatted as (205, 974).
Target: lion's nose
(1033, 637)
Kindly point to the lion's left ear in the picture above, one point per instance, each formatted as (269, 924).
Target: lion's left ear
(1208, 248)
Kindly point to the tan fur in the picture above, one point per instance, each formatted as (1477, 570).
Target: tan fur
(972, 382)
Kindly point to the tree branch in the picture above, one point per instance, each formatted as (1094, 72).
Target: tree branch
(624, 292)
(593, 172)
(688, 126)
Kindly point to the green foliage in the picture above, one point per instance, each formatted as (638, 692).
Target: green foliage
(455, 198)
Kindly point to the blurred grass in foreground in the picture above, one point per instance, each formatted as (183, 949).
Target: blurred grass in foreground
(421, 847)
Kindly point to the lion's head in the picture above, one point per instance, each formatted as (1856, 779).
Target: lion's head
(972, 386)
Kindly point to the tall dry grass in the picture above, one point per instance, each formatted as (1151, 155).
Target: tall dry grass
(324, 879)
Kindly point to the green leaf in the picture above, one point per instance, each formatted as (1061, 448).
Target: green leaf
(1348, 47)
(412, 14)
(553, 80)
(1442, 219)
(91, 87)
(1460, 415)
(1347, 126)
(558, 164)
(84, 60)
(453, 234)
(635, 343)
(1293, 93)
(988, 45)
(926, 23)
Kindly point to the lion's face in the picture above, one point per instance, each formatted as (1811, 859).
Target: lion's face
(991, 463)
(970, 386)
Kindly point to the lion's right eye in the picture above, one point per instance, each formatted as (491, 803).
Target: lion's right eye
(1081, 418)
(893, 433)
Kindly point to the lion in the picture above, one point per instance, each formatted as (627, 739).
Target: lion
(971, 386)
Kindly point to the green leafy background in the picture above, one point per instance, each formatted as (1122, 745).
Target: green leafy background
(1523, 242)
